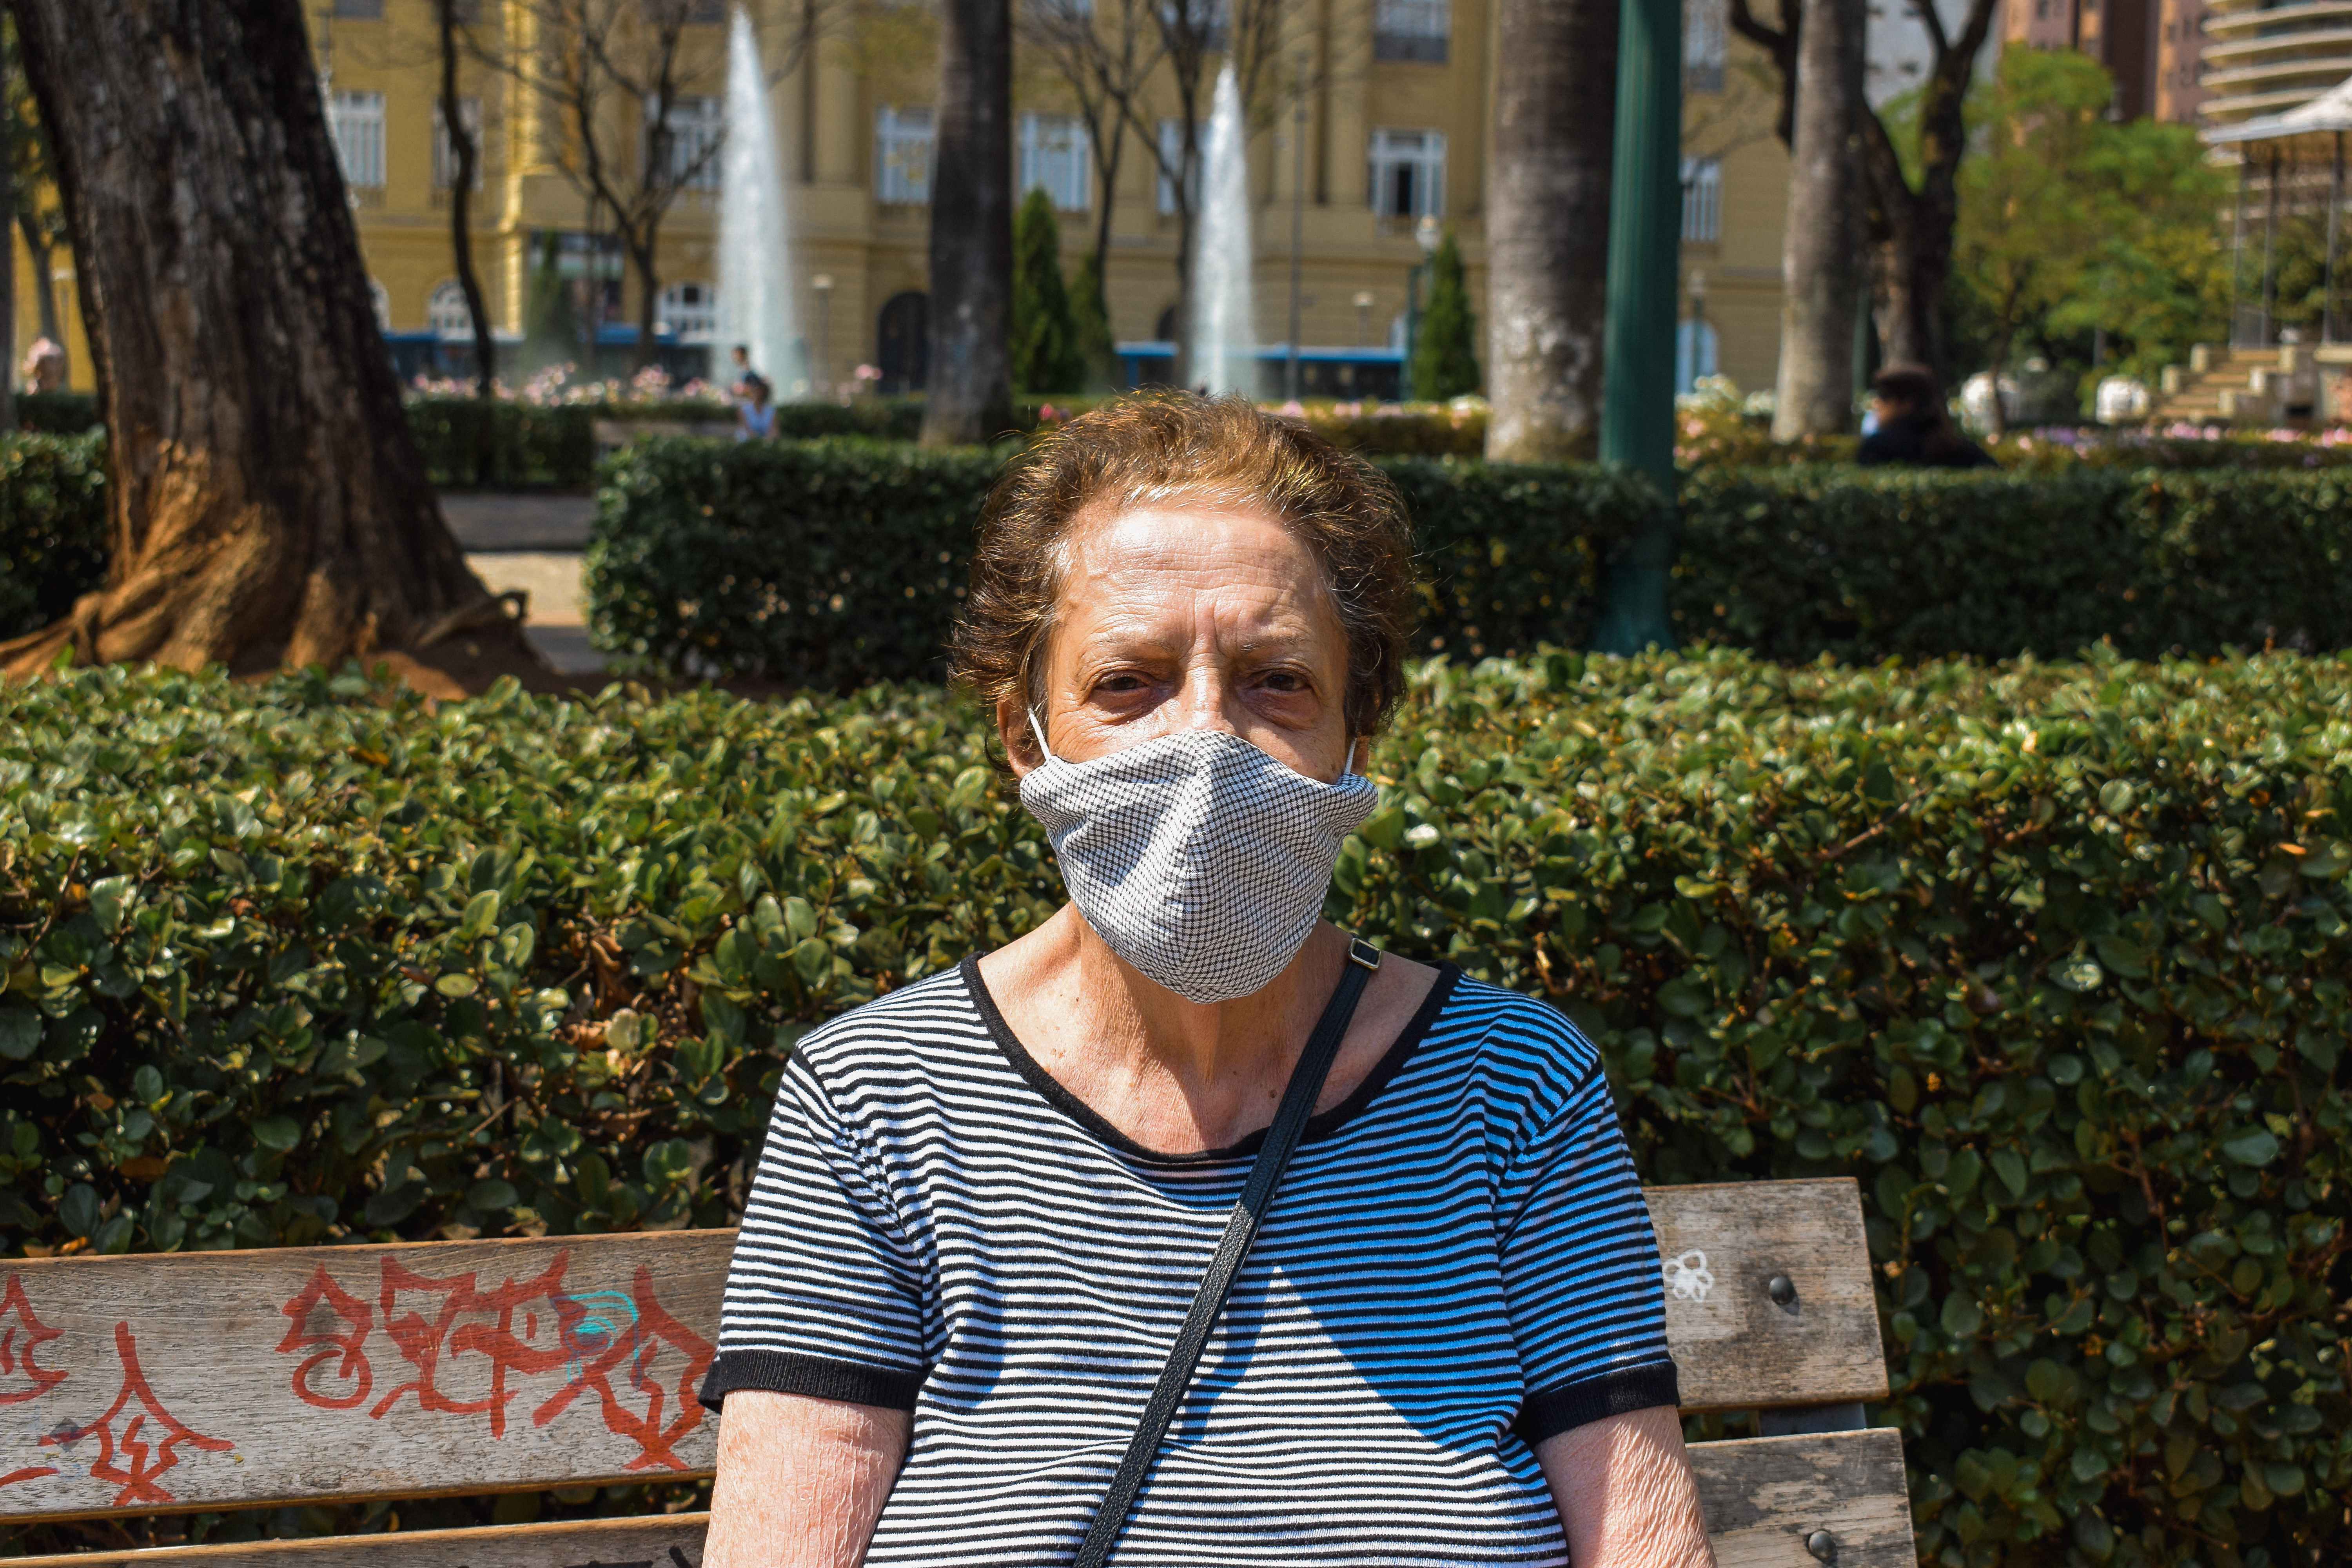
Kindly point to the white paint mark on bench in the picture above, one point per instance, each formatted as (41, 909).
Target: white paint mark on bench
(1687, 1278)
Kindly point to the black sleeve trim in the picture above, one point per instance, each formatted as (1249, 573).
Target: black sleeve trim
(782, 1372)
(1556, 1410)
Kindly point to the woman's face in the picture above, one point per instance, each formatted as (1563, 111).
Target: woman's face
(1192, 617)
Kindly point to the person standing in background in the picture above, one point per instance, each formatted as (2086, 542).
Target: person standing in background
(1912, 428)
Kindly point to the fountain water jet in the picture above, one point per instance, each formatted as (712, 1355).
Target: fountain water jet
(755, 296)
(1225, 329)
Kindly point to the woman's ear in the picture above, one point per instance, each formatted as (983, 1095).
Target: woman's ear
(1021, 748)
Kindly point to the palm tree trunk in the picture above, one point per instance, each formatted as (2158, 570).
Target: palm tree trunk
(1547, 226)
(269, 504)
(970, 395)
(1824, 250)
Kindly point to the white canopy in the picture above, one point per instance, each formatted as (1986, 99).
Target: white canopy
(2330, 111)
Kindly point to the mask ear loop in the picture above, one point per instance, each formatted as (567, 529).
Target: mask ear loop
(1039, 730)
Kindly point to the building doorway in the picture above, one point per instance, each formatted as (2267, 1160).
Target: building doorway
(902, 342)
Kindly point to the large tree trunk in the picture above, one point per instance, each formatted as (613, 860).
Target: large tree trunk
(970, 395)
(8, 294)
(1547, 226)
(270, 506)
(1823, 249)
(461, 200)
(1910, 264)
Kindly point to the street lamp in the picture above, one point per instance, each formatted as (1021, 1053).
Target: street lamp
(1696, 288)
(1425, 233)
(823, 284)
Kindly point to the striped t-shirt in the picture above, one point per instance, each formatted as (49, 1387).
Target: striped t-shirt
(1457, 1264)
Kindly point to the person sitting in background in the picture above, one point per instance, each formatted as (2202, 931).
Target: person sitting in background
(1913, 430)
(44, 366)
(739, 357)
(755, 417)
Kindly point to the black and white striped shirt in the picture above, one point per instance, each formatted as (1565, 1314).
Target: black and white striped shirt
(1457, 1264)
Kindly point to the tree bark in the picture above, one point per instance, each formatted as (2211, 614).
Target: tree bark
(970, 395)
(1547, 226)
(1824, 245)
(269, 504)
(7, 287)
(461, 200)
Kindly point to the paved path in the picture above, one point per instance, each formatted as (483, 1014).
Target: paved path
(519, 519)
(557, 624)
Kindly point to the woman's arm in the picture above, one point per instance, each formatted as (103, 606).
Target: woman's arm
(801, 1482)
(1623, 1486)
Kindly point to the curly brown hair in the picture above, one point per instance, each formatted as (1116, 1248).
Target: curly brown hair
(1148, 449)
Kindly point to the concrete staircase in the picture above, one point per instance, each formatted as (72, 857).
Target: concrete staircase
(2260, 386)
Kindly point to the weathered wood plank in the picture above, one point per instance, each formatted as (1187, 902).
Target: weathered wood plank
(1765, 1496)
(674, 1541)
(226, 1379)
(222, 1380)
(1735, 1347)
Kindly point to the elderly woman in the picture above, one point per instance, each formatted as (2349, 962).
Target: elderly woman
(1024, 1278)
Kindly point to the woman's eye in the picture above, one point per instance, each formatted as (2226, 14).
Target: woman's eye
(1285, 680)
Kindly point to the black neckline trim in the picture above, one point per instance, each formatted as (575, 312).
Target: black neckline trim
(1321, 1125)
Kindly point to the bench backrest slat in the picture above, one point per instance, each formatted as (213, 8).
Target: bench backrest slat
(209, 1380)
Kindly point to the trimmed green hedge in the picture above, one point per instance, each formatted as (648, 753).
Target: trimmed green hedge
(1800, 561)
(2054, 960)
(835, 564)
(57, 413)
(53, 523)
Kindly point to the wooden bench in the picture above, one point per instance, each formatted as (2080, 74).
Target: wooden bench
(217, 1380)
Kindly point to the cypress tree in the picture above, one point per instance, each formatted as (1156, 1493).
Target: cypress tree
(1090, 316)
(551, 334)
(1445, 350)
(1044, 338)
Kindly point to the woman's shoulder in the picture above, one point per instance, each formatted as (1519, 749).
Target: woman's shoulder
(932, 1017)
(1510, 1033)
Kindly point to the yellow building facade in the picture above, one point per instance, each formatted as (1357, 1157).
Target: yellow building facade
(1389, 118)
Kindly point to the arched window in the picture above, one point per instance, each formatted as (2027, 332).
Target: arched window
(445, 315)
(687, 311)
(1693, 352)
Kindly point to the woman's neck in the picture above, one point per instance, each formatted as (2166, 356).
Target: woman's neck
(1179, 1076)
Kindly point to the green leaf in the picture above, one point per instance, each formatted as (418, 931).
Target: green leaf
(2010, 1166)
(20, 1033)
(492, 1197)
(1960, 1316)
(277, 1132)
(456, 985)
(2254, 1146)
(78, 1210)
(110, 900)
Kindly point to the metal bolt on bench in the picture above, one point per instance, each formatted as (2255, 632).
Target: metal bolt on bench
(205, 1381)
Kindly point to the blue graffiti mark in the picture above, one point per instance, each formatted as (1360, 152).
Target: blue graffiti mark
(604, 1315)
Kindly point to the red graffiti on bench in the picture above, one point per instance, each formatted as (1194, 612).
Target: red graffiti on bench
(138, 1482)
(589, 1336)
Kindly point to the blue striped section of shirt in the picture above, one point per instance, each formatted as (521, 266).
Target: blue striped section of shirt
(1458, 1263)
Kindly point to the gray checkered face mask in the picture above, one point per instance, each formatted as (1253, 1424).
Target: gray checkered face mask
(1202, 860)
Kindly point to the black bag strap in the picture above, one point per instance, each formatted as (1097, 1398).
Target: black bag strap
(1241, 1229)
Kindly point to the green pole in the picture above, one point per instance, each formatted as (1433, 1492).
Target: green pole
(1637, 410)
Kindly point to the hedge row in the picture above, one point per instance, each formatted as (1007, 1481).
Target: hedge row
(836, 563)
(52, 525)
(2054, 960)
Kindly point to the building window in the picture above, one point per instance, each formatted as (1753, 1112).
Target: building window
(707, 13)
(1172, 156)
(445, 156)
(446, 313)
(1409, 173)
(695, 126)
(1209, 21)
(687, 311)
(1054, 159)
(1411, 30)
(359, 10)
(902, 156)
(1705, 46)
(1702, 200)
(355, 120)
